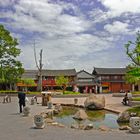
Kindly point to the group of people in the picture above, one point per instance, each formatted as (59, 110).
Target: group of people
(127, 98)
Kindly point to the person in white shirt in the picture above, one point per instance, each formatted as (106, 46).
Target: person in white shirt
(129, 95)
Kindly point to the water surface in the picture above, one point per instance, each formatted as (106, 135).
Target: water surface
(97, 118)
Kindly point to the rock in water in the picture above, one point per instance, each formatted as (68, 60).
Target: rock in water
(124, 128)
(123, 117)
(94, 102)
(88, 127)
(80, 115)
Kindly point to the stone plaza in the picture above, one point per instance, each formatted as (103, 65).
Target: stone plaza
(16, 127)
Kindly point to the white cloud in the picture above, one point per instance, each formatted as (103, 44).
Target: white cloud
(98, 15)
(118, 7)
(66, 40)
(67, 51)
(45, 17)
(117, 28)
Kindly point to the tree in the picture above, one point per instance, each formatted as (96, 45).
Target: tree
(10, 68)
(62, 82)
(133, 70)
(28, 82)
(39, 67)
(133, 51)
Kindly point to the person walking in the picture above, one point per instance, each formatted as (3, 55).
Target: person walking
(21, 97)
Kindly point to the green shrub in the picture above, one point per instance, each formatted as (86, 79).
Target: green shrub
(135, 109)
(33, 92)
(15, 92)
(71, 92)
(136, 92)
(8, 91)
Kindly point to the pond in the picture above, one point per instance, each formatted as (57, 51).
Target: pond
(97, 118)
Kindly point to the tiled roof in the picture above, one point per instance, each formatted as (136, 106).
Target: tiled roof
(109, 71)
(84, 74)
(66, 72)
(30, 74)
(34, 73)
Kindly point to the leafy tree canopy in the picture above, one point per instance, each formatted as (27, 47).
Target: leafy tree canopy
(10, 68)
(28, 81)
(133, 52)
(62, 81)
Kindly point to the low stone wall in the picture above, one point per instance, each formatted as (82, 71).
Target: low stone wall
(118, 94)
(123, 94)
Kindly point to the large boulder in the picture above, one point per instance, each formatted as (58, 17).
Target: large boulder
(123, 117)
(95, 102)
(80, 115)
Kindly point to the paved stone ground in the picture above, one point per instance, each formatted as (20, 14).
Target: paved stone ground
(13, 126)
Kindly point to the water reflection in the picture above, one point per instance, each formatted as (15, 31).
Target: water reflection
(97, 118)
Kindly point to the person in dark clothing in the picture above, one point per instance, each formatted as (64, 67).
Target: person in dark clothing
(21, 97)
(125, 99)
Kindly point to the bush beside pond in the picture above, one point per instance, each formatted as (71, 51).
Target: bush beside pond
(135, 109)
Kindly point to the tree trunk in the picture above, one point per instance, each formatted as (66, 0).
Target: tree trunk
(15, 86)
(138, 87)
(39, 85)
(7, 87)
(10, 86)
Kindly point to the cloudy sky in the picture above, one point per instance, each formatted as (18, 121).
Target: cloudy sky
(79, 34)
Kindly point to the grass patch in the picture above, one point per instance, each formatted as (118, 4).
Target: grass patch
(135, 109)
(136, 99)
(71, 92)
(8, 92)
(34, 92)
(15, 92)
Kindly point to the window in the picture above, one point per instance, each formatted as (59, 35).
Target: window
(105, 77)
(116, 77)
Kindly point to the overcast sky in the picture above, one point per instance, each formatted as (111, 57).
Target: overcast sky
(79, 34)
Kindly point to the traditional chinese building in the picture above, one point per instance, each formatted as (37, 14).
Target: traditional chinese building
(111, 79)
(48, 78)
(85, 82)
(29, 74)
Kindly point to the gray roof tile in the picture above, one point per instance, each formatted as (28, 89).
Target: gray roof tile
(109, 71)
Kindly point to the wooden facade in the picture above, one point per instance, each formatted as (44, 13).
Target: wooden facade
(48, 77)
(102, 80)
(111, 80)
